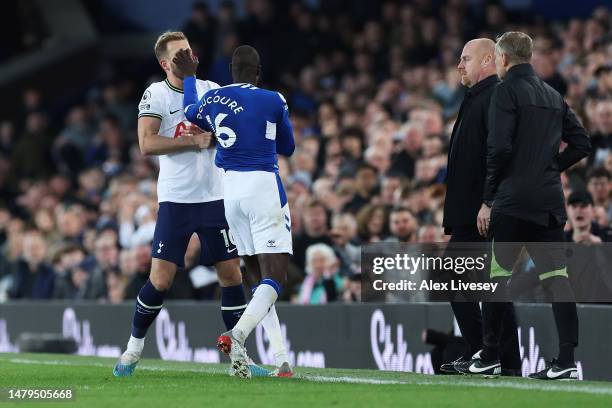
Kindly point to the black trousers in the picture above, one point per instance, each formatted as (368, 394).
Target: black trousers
(469, 315)
(550, 261)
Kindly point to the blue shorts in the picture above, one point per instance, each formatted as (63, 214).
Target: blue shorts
(177, 222)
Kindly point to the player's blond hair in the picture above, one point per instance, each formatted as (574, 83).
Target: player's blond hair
(161, 45)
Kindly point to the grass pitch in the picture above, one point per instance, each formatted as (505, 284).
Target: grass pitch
(159, 383)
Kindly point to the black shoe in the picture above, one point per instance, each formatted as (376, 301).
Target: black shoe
(554, 371)
(449, 368)
(477, 366)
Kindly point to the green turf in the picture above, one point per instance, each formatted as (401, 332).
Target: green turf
(176, 384)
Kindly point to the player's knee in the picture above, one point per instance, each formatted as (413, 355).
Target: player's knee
(161, 283)
(228, 272)
(162, 274)
(161, 277)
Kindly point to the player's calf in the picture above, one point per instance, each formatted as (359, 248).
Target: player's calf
(233, 299)
(149, 302)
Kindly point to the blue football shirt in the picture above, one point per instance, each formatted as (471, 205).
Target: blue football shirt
(251, 124)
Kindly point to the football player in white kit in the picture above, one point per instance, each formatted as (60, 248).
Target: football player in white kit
(190, 195)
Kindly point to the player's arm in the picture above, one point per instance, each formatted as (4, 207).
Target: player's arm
(191, 104)
(152, 144)
(578, 142)
(502, 122)
(285, 143)
(187, 63)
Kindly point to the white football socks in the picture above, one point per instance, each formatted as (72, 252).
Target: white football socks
(135, 345)
(258, 307)
(272, 327)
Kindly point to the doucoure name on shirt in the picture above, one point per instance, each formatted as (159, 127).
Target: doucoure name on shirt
(223, 100)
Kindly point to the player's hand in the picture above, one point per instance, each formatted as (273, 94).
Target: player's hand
(483, 220)
(190, 130)
(203, 140)
(186, 62)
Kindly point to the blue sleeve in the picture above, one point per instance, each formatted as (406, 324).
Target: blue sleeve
(285, 144)
(192, 105)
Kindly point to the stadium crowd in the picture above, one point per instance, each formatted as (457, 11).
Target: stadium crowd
(373, 92)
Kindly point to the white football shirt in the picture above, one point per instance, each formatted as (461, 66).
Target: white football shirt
(188, 176)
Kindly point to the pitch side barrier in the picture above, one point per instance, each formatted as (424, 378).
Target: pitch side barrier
(374, 336)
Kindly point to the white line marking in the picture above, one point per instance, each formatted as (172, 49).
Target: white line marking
(534, 385)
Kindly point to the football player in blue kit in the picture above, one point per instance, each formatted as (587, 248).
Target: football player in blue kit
(251, 126)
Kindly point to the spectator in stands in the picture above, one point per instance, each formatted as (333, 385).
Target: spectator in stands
(33, 278)
(315, 230)
(78, 284)
(545, 65)
(343, 234)
(219, 71)
(142, 259)
(411, 137)
(403, 226)
(67, 257)
(73, 141)
(366, 184)
(602, 136)
(352, 291)
(31, 156)
(12, 233)
(106, 257)
(598, 183)
(70, 221)
(115, 284)
(430, 233)
(127, 262)
(137, 215)
(227, 26)
(201, 29)
(584, 228)
(372, 223)
(323, 283)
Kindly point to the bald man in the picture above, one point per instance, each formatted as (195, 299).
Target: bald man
(464, 211)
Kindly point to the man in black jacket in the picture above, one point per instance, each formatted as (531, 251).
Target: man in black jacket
(524, 200)
(465, 184)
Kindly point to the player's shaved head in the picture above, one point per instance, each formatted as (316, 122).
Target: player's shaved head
(246, 64)
(247, 56)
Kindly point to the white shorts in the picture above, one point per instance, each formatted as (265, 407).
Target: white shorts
(257, 212)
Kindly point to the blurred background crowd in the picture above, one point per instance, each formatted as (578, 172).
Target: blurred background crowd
(373, 92)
